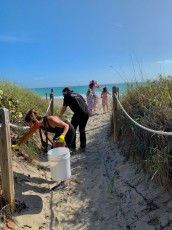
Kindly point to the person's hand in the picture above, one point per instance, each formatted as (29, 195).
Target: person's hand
(15, 147)
(61, 138)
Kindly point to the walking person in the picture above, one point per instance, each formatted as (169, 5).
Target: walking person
(80, 117)
(104, 96)
(90, 101)
(63, 130)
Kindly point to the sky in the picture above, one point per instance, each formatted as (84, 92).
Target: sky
(53, 43)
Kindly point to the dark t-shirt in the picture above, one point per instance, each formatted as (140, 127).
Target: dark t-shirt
(76, 103)
(58, 130)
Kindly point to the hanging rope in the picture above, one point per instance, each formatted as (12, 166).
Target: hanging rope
(19, 127)
(141, 126)
(48, 107)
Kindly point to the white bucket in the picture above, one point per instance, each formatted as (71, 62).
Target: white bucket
(59, 159)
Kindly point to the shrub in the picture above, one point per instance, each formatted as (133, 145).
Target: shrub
(150, 105)
(19, 100)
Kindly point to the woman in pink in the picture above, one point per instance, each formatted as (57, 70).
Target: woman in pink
(104, 96)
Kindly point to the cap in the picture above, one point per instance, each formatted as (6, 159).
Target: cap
(67, 89)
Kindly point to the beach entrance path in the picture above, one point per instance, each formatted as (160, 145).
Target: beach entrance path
(106, 192)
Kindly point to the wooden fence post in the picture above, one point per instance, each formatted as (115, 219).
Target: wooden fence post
(6, 159)
(52, 102)
(115, 91)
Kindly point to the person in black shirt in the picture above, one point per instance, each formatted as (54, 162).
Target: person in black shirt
(80, 117)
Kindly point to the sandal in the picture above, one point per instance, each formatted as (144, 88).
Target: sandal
(60, 186)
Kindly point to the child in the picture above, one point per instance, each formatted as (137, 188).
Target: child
(104, 96)
(90, 101)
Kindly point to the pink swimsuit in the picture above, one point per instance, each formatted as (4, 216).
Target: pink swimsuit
(104, 98)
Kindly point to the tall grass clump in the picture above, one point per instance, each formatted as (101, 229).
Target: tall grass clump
(151, 106)
(19, 100)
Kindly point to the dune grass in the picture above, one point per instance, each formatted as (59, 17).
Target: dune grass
(22, 99)
(151, 106)
(19, 100)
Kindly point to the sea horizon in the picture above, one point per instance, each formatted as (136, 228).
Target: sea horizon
(45, 91)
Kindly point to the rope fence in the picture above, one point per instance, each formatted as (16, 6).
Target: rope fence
(19, 127)
(115, 101)
(141, 126)
(7, 177)
(48, 106)
(6, 158)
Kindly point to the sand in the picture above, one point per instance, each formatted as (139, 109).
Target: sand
(105, 190)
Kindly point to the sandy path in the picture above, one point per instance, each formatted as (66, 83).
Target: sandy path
(105, 191)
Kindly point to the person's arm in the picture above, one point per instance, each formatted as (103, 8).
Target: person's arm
(26, 136)
(97, 85)
(63, 109)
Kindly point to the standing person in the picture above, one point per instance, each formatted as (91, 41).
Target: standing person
(63, 130)
(90, 101)
(93, 85)
(80, 117)
(104, 96)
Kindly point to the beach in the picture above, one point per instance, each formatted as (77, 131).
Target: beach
(79, 89)
(106, 192)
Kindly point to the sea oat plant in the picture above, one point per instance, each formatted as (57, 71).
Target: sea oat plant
(18, 100)
(150, 105)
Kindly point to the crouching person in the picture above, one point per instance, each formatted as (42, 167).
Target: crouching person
(63, 130)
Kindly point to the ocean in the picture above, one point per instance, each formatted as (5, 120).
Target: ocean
(77, 89)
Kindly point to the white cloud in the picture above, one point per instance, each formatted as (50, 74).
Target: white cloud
(4, 38)
(12, 39)
(165, 62)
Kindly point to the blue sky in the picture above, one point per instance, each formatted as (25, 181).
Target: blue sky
(67, 43)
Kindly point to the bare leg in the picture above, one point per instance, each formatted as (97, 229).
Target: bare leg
(90, 112)
(103, 108)
(95, 105)
(107, 108)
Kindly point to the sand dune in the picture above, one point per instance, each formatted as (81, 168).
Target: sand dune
(105, 190)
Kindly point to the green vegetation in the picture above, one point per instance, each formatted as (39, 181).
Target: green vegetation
(151, 106)
(19, 100)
